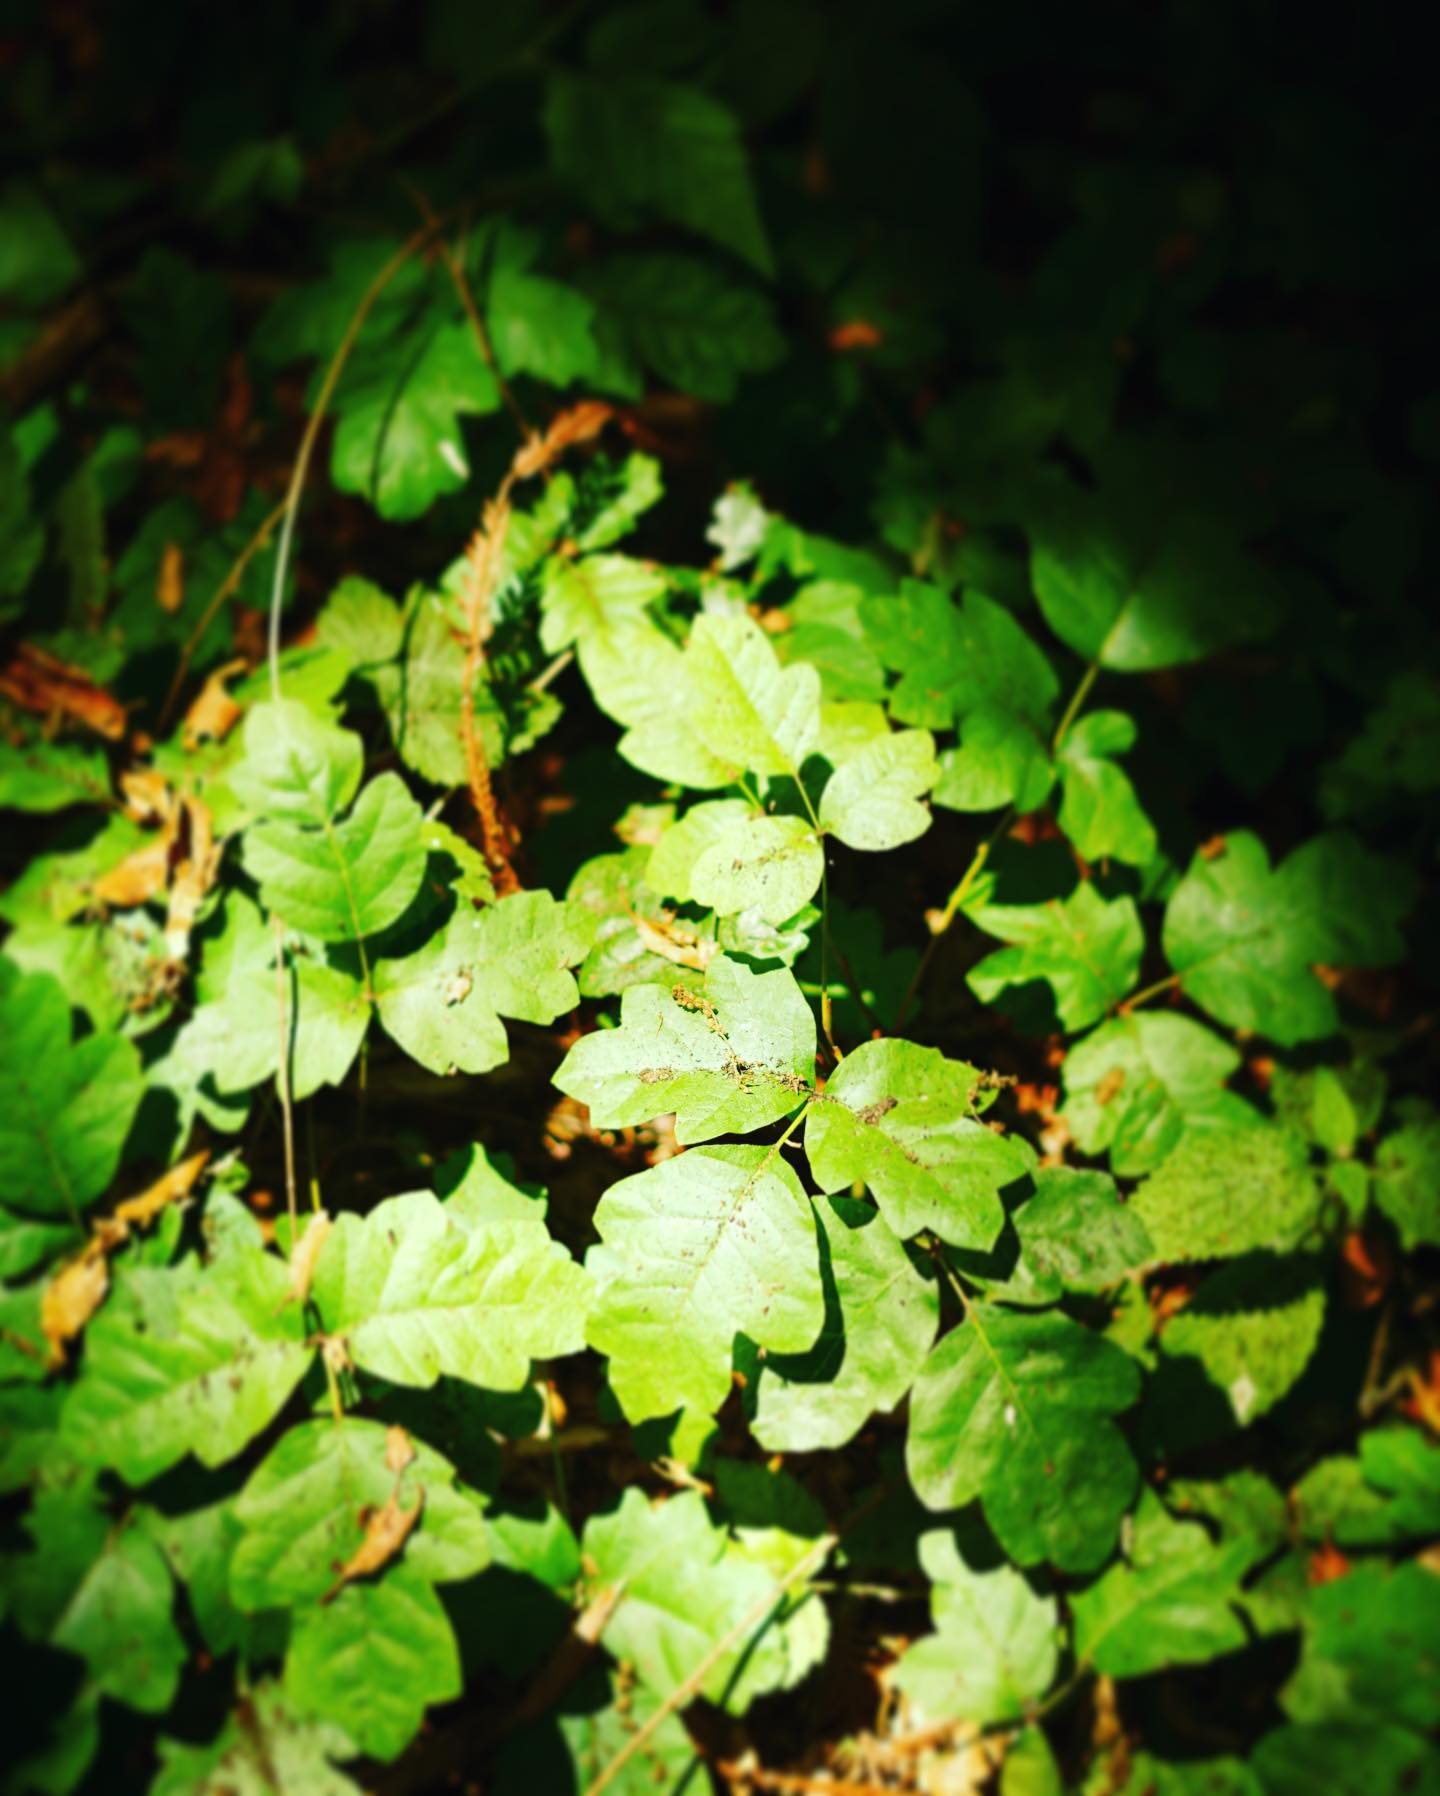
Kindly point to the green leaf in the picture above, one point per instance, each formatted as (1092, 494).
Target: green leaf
(1099, 811)
(37, 260)
(417, 1295)
(374, 1660)
(1135, 586)
(398, 441)
(1372, 1650)
(40, 776)
(1253, 1325)
(118, 1620)
(264, 1747)
(995, 1648)
(1087, 949)
(302, 1513)
(542, 327)
(1074, 1236)
(904, 1120)
(634, 146)
(1139, 1083)
(685, 1587)
(953, 658)
(342, 881)
(362, 623)
(65, 1107)
(630, 927)
(697, 1250)
(1002, 759)
(1170, 1601)
(21, 532)
(871, 802)
(186, 1360)
(1407, 1178)
(1015, 1409)
(296, 765)
(594, 596)
(881, 1314)
(746, 707)
(198, 1547)
(443, 1003)
(1346, 1759)
(1244, 939)
(727, 1060)
(729, 857)
(688, 320)
(1224, 1192)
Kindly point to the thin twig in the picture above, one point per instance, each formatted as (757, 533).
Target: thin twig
(950, 912)
(483, 557)
(689, 1686)
(282, 1076)
(1146, 993)
(1072, 710)
(312, 431)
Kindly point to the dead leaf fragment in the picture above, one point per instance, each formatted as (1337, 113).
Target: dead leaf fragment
(386, 1531)
(71, 1299)
(213, 713)
(576, 425)
(399, 1449)
(39, 682)
(304, 1254)
(168, 1189)
(140, 877)
(170, 581)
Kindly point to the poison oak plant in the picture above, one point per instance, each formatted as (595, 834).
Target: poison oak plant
(903, 803)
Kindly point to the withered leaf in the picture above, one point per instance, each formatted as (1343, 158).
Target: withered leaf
(386, 1531)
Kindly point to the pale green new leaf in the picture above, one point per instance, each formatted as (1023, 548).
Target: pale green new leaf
(904, 1120)
(1015, 1409)
(995, 1647)
(1099, 810)
(697, 1250)
(872, 801)
(65, 1107)
(1245, 938)
(186, 1359)
(296, 765)
(417, 1295)
(686, 1586)
(727, 1060)
(1138, 1083)
(1169, 1601)
(342, 881)
(302, 1513)
(444, 1002)
(881, 1314)
(374, 1660)
(1224, 1192)
(744, 706)
(594, 596)
(771, 866)
(1086, 949)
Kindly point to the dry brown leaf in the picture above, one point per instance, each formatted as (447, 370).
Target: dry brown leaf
(399, 1449)
(71, 1299)
(386, 1531)
(193, 878)
(304, 1254)
(170, 581)
(577, 425)
(37, 681)
(213, 714)
(148, 796)
(138, 878)
(166, 1190)
(675, 942)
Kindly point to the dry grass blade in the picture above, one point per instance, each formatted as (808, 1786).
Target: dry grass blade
(304, 1254)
